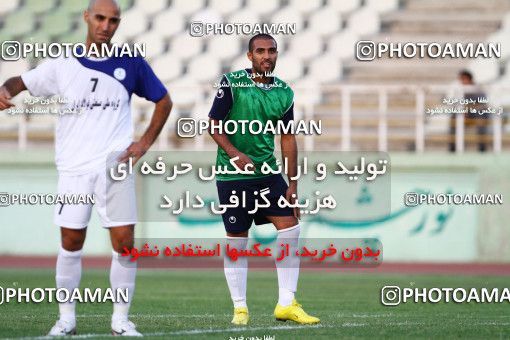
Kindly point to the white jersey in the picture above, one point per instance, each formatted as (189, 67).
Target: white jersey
(101, 90)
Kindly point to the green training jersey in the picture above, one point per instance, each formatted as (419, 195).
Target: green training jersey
(254, 101)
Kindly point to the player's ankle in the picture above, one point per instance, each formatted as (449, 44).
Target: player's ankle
(119, 317)
(240, 303)
(285, 297)
(69, 318)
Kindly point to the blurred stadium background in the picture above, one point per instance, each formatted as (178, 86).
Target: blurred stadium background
(382, 110)
(364, 106)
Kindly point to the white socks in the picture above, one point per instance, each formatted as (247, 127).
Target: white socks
(122, 275)
(68, 275)
(236, 272)
(288, 268)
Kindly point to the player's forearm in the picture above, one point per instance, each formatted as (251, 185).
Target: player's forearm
(14, 85)
(289, 151)
(223, 142)
(158, 120)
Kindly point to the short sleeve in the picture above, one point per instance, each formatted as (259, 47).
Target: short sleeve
(222, 101)
(148, 85)
(288, 115)
(42, 80)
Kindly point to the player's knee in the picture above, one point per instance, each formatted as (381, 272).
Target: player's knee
(72, 242)
(286, 222)
(120, 244)
(241, 234)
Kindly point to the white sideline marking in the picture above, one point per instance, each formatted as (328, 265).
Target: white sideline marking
(143, 316)
(209, 315)
(205, 331)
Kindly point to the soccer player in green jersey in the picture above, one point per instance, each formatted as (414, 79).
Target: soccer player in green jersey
(255, 94)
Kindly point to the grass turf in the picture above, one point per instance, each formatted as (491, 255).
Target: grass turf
(189, 304)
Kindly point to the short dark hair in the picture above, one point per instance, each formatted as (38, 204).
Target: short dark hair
(259, 36)
(466, 73)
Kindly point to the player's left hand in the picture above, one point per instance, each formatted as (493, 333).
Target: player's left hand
(136, 151)
(291, 197)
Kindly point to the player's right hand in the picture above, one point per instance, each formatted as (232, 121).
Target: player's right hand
(243, 161)
(5, 99)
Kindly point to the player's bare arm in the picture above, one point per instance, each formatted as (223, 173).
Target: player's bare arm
(10, 89)
(289, 150)
(224, 143)
(159, 118)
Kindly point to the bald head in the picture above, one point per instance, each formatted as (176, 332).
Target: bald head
(103, 19)
(93, 3)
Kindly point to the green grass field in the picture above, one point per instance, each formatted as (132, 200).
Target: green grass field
(186, 304)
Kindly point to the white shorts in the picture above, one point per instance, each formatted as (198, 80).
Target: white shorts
(115, 200)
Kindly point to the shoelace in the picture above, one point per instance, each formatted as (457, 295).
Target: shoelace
(300, 312)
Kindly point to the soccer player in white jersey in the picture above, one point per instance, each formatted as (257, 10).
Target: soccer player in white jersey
(83, 142)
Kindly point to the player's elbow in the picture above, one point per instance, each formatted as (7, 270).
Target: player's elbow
(166, 103)
(288, 138)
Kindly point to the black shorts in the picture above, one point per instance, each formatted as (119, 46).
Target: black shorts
(238, 220)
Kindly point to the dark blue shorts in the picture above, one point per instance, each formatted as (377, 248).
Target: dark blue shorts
(238, 220)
